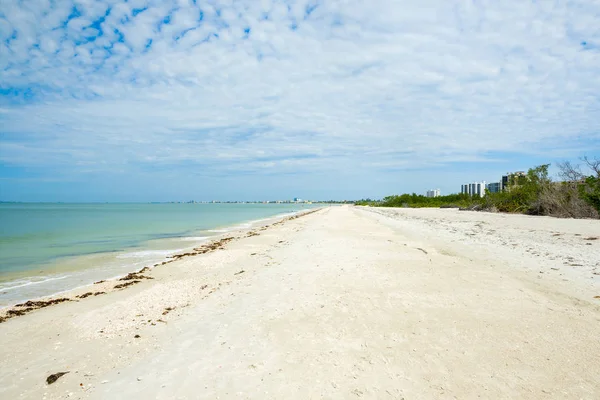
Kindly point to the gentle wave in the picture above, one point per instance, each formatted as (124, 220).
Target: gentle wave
(21, 283)
(194, 238)
(149, 253)
(219, 230)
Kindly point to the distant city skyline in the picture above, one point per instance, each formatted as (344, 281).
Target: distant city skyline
(395, 187)
(154, 101)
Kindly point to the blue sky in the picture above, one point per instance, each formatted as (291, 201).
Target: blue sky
(174, 100)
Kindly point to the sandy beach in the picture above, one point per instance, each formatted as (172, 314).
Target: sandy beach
(346, 302)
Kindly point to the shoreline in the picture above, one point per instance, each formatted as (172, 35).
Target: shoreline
(55, 248)
(132, 277)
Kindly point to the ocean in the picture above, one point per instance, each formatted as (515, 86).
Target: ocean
(48, 248)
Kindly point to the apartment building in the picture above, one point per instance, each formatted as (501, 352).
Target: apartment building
(434, 193)
(511, 178)
(474, 189)
(494, 187)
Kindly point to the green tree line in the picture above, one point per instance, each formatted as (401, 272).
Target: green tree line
(577, 195)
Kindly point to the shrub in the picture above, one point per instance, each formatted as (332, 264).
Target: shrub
(416, 201)
(587, 187)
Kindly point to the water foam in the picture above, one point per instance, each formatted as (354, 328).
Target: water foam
(194, 238)
(149, 253)
(23, 283)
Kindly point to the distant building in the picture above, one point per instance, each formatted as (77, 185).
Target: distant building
(511, 178)
(494, 187)
(433, 193)
(474, 189)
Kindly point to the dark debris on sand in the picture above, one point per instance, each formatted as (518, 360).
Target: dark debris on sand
(134, 276)
(28, 306)
(54, 377)
(124, 285)
(88, 294)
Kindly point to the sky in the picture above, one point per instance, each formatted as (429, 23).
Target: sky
(148, 100)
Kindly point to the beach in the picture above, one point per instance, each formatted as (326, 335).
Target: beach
(343, 302)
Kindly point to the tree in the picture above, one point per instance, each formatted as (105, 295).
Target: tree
(588, 185)
(569, 172)
(590, 191)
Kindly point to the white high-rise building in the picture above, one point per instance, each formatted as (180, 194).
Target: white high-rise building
(474, 189)
(433, 193)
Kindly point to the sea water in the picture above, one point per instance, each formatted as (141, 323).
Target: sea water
(46, 248)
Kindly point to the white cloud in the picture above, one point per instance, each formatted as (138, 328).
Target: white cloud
(372, 85)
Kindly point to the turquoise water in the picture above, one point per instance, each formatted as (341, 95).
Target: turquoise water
(48, 248)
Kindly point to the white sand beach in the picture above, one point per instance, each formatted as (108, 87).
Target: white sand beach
(347, 302)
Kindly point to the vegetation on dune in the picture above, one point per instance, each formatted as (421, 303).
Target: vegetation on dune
(537, 194)
(589, 185)
(577, 195)
(416, 201)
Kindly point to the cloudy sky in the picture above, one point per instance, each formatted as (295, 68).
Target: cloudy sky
(140, 100)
